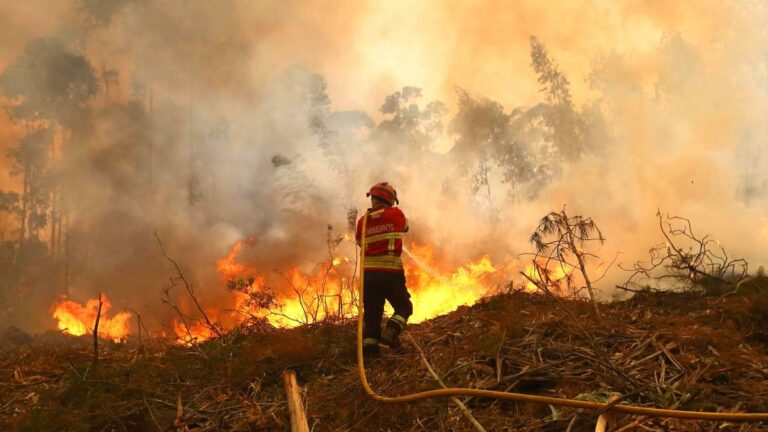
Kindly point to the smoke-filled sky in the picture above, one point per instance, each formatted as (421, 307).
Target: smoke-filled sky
(680, 89)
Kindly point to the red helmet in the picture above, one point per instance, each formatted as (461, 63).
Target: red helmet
(384, 191)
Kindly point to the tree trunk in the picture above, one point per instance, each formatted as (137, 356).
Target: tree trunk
(66, 259)
(59, 228)
(96, 333)
(582, 266)
(54, 198)
(583, 269)
(24, 197)
(53, 226)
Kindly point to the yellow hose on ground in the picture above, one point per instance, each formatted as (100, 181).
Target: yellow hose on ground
(572, 403)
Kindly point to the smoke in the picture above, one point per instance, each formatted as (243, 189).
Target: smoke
(217, 122)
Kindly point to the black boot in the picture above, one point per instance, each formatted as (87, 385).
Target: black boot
(371, 351)
(391, 336)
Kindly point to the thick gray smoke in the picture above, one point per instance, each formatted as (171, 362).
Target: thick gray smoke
(216, 122)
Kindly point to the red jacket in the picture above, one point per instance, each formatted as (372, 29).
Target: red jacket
(383, 238)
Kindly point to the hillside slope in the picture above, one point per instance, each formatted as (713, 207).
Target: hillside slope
(656, 349)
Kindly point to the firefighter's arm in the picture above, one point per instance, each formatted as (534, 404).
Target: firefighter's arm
(403, 221)
(358, 230)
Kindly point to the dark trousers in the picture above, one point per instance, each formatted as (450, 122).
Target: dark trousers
(379, 286)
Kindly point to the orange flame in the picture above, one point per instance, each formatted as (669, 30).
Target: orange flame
(556, 274)
(77, 319)
(435, 291)
(229, 267)
(330, 290)
(316, 297)
(196, 330)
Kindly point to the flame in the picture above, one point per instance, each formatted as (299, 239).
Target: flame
(556, 274)
(195, 331)
(319, 296)
(435, 292)
(312, 297)
(229, 267)
(77, 319)
(330, 289)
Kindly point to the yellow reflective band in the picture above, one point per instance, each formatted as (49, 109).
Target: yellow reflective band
(380, 237)
(398, 319)
(394, 264)
(391, 247)
(388, 262)
(370, 341)
(383, 266)
(383, 259)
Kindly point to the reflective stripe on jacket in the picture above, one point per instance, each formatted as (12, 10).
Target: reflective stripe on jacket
(384, 238)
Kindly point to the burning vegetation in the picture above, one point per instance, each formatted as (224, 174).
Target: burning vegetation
(76, 319)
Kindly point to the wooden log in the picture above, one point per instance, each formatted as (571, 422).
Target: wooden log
(602, 420)
(463, 408)
(295, 405)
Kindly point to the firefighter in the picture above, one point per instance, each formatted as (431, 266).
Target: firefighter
(384, 276)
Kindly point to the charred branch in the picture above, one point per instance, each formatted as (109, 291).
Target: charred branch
(686, 259)
(96, 333)
(188, 287)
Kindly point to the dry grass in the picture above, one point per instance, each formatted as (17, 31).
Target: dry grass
(667, 350)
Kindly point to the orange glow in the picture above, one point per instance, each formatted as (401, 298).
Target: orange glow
(319, 296)
(78, 320)
(197, 332)
(435, 291)
(557, 272)
(330, 289)
(305, 298)
(228, 267)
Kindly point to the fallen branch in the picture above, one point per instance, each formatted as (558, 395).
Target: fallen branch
(703, 261)
(152, 415)
(602, 420)
(736, 289)
(464, 410)
(295, 406)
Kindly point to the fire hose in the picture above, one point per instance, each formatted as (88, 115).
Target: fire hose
(521, 397)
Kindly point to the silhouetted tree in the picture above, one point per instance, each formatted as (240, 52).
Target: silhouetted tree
(50, 86)
(559, 239)
(49, 82)
(559, 113)
(409, 124)
(485, 142)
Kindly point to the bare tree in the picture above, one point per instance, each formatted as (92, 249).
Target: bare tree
(686, 258)
(188, 287)
(560, 239)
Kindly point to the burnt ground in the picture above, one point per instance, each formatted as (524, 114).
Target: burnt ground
(669, 350)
